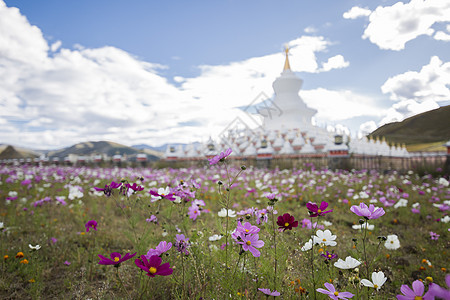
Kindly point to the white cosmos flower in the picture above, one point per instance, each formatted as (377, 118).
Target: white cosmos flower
(215, 237)
(2, 225)
(37, 247)
(401, 203)
(392, 242)
(378, 279)
(348, 263)
(326, 223)
(325, 237)
(223, 213)
(307, 246)
(369, 226)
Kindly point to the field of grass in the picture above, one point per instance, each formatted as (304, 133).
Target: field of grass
(50, 243)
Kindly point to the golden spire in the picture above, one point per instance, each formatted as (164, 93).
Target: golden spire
(286, 63)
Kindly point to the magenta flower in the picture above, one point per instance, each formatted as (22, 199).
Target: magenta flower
(333, 294)
(329, 256)
(116, 258)
(250, 243)
(315, 211)
(162, 194)
(220, 158)
(163, 247)
(286, 221)
(153, 219)
(91, 224)
(107, 190)
(135, 187)
(269, 293)
(370, 212)
(153, 266)
(415, 293)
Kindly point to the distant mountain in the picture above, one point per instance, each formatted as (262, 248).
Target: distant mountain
(431, 127)
(160, 148)
(102, 147)
(9, 152)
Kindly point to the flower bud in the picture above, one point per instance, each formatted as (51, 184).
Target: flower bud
(243, 167)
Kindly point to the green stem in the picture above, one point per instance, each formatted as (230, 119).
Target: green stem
(121, 282)
(275, 249)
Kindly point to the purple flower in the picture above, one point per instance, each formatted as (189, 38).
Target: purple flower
(193, 212)
(135, 187)
(182, 244)
(153, 219)
(116, 258)
(91, 224)
(220, 158)
(417, 291)
(434, 236)
(269, 293)
(153, 266)
(162, 193)
(250, 243)
(329, 256)
(315, 211)
(370, 212)
(162, 247)
(67, 263)
(107, 190)
(439, 291)
(286, 221)
(333, 294)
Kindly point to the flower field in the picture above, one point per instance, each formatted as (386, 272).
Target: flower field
(222, 232)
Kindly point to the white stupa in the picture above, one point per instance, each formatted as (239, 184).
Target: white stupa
(289, 109)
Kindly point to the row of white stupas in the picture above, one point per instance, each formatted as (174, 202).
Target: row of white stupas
(289, 133)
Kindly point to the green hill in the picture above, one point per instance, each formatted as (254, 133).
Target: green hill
(419, 131)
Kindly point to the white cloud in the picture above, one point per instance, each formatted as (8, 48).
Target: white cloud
(405, 109)
(335, 62)
(52, 97)
(340, 105)
(431, 83)
(310, 29)
(442, 36)
(357, 12)
(391, 27)
(366, 128)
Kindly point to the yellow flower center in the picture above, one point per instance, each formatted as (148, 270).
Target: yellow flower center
(116, 259)
(195, 211)
(319, 211)
(248, 243)
(375, 286)
(418, 298)
(246, 230)
(324, 240)
(152, 270)
(286, 224)
(336, 293)
(392, 242)
(329, 255)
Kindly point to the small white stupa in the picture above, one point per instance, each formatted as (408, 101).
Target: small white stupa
(292, 111)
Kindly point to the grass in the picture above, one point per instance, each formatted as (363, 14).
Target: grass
(66, 265)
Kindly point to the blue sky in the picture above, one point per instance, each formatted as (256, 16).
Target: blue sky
(157, 72)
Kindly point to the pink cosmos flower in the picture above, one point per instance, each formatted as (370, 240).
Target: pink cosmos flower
(116, 258)
(415, 293)
(368, 212)
(269, 293)
(193, 212)
(439, 291)
(250, 243)
(220, 158)
(315, 211)
(162, 247)
(434, 236)
(333, 294)
(153, 266)
(107, 190)
(91, 224)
